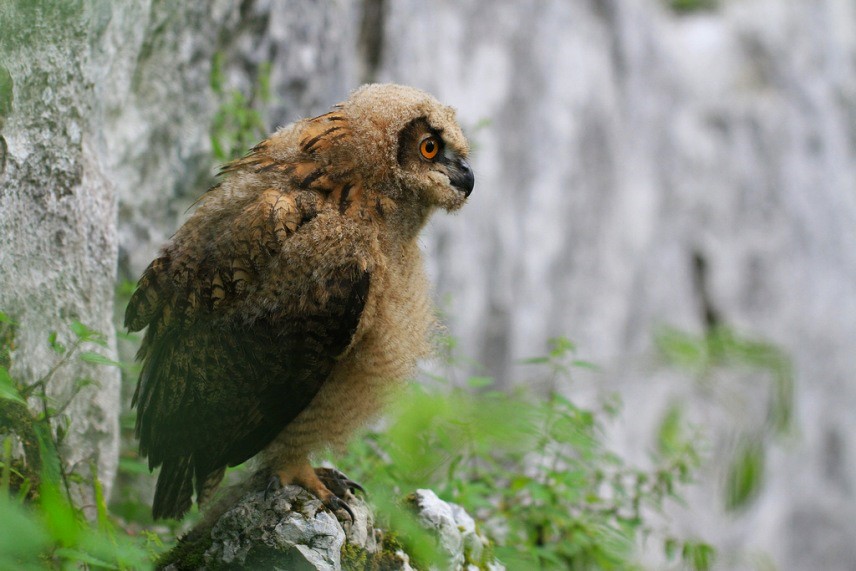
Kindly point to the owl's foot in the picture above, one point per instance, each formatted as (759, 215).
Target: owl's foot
(318, 483)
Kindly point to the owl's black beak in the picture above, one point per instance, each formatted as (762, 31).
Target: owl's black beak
(461, 175)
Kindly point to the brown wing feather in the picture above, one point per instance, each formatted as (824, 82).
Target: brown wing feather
(219, 391)
(244, 323)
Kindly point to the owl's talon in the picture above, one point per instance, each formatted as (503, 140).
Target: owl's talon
(337, 482)
(274, 485)
(335, 503)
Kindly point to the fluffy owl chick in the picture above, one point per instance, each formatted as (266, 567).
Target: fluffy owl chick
(284, 308)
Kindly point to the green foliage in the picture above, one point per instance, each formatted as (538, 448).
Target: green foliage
(237, 125)
(8, 388)
(536, 471)
(722, 349)
(54, 535)
(40, 527)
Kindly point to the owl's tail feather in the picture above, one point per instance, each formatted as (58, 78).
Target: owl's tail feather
(207, 483)
(174, 491)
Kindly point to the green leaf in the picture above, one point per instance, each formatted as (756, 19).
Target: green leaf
(560, 346)
(90, 357)
(670, 548)
(6, 471)
(6, 319)
(682, 349)
(22, 538)
(58, 347)
(699, 556)
(781, 408)
(104, 523)
(86, 333)
(689, 6)
(670, 440)
(8, 390)
(540, 492)
(84, 382)
(535, 360)
(745, 476)
(60, 519)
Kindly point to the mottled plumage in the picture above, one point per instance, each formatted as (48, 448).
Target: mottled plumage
(294, 296)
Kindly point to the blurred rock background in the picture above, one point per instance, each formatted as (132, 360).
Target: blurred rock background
(639, 164)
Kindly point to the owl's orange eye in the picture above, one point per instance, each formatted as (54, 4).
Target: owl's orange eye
(429, 147)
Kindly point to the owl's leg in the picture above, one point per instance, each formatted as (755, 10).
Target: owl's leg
(305, 476)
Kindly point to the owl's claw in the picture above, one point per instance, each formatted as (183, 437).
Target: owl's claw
(337, 486)
(274, 484)
(335, 503)
(337, 482)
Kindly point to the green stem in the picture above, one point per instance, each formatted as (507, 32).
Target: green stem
(6, 477)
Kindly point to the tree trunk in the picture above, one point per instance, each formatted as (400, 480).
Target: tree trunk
(58, 216)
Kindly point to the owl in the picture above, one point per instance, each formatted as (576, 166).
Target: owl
(281, 313)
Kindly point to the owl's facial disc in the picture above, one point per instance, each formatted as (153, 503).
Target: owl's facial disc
(433, 149)
(433, 162)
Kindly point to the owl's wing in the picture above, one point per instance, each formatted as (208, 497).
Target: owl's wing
(246, 317)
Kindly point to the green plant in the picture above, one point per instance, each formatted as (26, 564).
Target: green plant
(39, 523)
(535, 470)
(723, 350)
(237, 124)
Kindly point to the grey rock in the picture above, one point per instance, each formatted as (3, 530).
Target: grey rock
(437, 514)
(291, 528)
(456, 530)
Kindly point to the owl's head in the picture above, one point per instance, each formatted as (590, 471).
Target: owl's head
(388, 152)
(410, 144)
